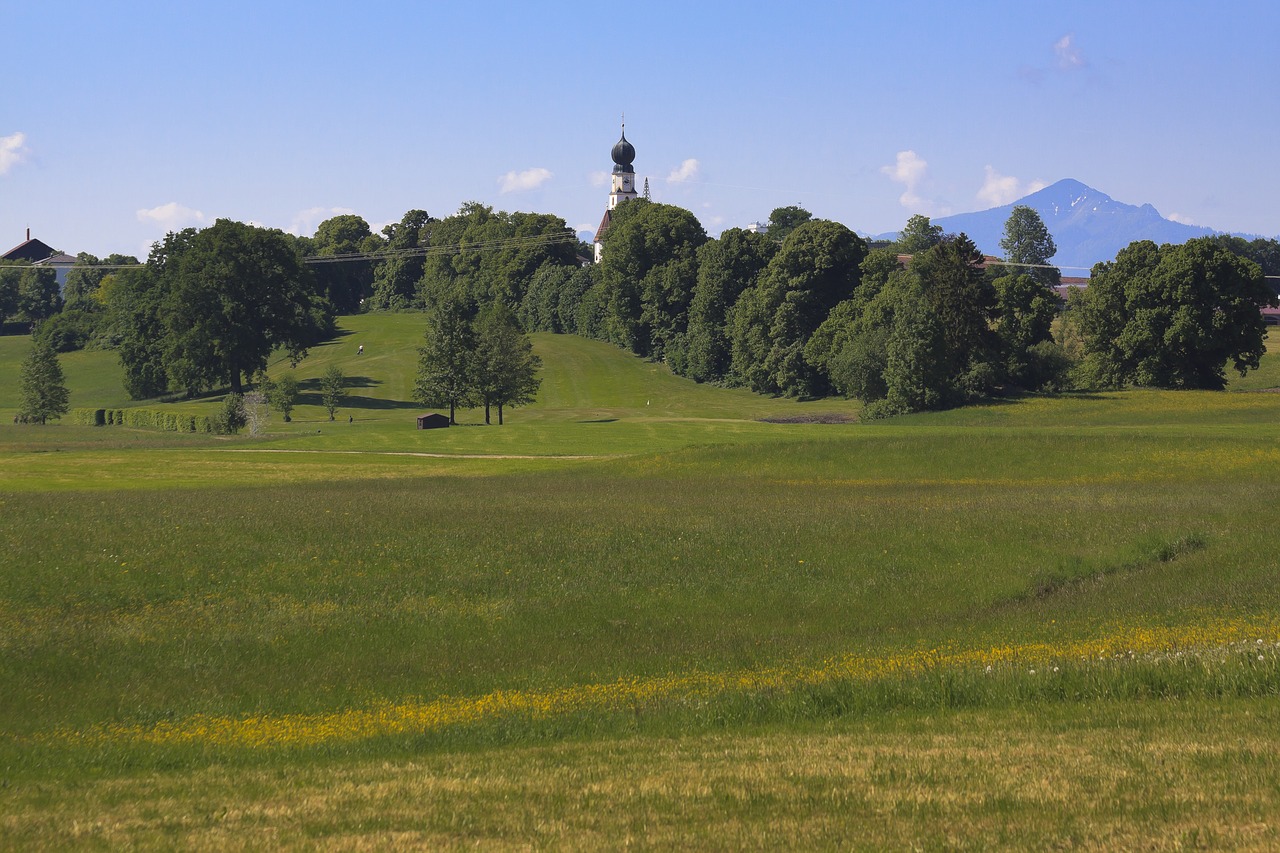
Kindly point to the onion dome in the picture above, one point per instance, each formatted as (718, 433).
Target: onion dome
(623, 153)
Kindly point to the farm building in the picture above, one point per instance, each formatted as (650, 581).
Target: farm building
(432, 421)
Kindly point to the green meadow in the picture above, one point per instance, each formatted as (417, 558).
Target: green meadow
(643, 612)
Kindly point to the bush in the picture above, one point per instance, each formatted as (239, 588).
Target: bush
(89, 417)
(152, 419)
(1050, 367)
(232, 418)
(68, 331)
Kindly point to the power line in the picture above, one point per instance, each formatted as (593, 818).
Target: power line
(495, 245)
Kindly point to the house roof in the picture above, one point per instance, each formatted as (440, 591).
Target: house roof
(30, 250)
(62, 259)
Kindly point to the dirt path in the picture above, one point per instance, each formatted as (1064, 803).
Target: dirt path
(400, 453)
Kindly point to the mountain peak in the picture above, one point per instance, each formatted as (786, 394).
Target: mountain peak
(1087, 225)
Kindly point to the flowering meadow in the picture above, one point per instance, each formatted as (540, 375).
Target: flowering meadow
(1058, 612)
(1229, 658)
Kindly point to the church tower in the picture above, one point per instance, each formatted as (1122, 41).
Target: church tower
(624, 184)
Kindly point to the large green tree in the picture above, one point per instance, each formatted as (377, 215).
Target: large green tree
(484, 255)
(918, 235)
(1028, 246)
(649, 270)
(342, 274)
(42, 389)
(1172, 316)
(816, 268)
(919, 337)
(234, 293)
(539, 308)
(39, 296)
(961, 299)
(505, 368)
(446, 361)
(784, 220)
(134, 305)
(397, 272)
(1025, 310)
(726, 267)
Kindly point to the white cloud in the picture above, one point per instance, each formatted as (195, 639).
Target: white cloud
(1069, 56)
(1178, 217)
(171, 216)
(585, 226)
(599, 179)
(529, 179)
(305, 222)
(687, 171)
(910, 170)
(1000, 189)
(13, 151)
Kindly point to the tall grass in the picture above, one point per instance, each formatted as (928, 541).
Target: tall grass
(636, 555)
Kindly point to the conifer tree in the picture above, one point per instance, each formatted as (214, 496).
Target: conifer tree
(446, 361)
(42, 386)
(505, 368)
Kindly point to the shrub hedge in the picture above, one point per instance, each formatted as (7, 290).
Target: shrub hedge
(143, 419)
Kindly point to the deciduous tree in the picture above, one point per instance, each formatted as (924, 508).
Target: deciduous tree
(784, 220)
(816, 268)
(1173, 316)
(726, 267)
(345, 281)
(282, 395)
(918, 235)
(396, 276)
(216, 303)
(648, 271)
(333, 387)
(1028, 244)
(39, 296)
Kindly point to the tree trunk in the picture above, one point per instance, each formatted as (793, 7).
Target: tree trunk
(451, 420)
(499, 414)
(486, 412)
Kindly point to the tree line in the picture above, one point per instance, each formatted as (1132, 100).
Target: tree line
(805, 308)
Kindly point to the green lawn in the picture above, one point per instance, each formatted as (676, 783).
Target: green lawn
(859, 634)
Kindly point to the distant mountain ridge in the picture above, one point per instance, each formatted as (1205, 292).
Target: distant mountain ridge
(1087, 225)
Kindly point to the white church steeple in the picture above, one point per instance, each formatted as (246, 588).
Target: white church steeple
(624, 184)
(624, 177)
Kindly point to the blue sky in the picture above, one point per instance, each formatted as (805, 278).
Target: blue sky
(120, 121)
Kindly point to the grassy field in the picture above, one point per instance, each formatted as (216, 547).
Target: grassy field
(641, 614)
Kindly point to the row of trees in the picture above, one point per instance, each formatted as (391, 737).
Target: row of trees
(807, 308)
(411, 262)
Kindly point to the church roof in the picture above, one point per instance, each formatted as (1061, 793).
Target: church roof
(623, 154)
(604, 225)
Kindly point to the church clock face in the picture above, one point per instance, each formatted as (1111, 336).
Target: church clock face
(626, 185)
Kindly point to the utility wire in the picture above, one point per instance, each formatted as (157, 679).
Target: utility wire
(495, 245)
